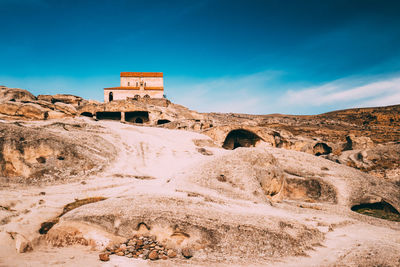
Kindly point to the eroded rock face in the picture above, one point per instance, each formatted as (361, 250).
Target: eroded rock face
(28, 154)
(181, 223)
(16, 94)
(252, 174)
(21, 105)
(379, 160)
(62, 98)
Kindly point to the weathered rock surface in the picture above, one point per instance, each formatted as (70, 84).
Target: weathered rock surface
(251, 174)
(62, 98)
(50, 152)
(22, 105)
(16, 94)
(251, 190)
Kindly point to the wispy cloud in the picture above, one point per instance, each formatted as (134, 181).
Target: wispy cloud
(259, 93)
(345, 93)
(265, 92)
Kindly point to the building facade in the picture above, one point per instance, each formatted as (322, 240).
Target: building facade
(136, 84)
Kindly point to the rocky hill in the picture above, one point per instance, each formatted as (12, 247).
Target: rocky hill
(149, 182)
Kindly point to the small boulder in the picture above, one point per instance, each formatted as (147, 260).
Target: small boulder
(33, 111)
(153, 255)
(66, 108)
(171, 253)
(57, 115)
(104, 257)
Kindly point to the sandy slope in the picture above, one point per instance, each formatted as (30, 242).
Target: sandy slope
(154, 163)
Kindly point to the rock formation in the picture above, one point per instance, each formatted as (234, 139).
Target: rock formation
(194, 188)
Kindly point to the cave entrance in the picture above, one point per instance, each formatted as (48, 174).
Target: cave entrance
(137, 116)
(321, 149)
(382, 210)
(87, 114)
(159, 122)
(108, 115)
(240, 138)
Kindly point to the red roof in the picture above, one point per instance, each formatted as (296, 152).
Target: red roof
(141, 74)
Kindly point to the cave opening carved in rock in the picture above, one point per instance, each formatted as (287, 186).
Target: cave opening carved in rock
(159, 122)
(240, 138)
(137, 116)
(108, 115)
(87, 114)
(382, 210)
(321, 149)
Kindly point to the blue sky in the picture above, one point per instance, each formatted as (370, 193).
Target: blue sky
(261, 57)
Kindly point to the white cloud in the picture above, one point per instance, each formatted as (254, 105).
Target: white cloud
(258, 93)
(345, 93)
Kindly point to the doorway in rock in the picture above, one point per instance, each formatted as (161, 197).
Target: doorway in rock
(110, 97)
(321, 149)
(240, 138)
(137, 116)
(87, 114)
(108, 115)
(159, 122)
(381, 210)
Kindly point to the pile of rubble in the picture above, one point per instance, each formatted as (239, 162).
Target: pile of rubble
(143, 247)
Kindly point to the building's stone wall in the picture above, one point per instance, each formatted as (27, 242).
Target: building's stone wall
(147, 81)
(142, 84)
(122, 94)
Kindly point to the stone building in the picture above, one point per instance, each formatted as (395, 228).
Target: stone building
(136, 85)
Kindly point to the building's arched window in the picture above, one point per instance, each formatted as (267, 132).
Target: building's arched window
(136, 84)
(110, 97)
(146, 96)
(129, 83)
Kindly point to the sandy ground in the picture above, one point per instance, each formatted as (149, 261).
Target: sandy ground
(146, 153)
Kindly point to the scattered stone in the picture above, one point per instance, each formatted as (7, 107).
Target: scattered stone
(153, 255)
(221, 178)
(42, 193)
(104, 257)
(144, 247)
(187, 253)
(171, 253)
(204, 151)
